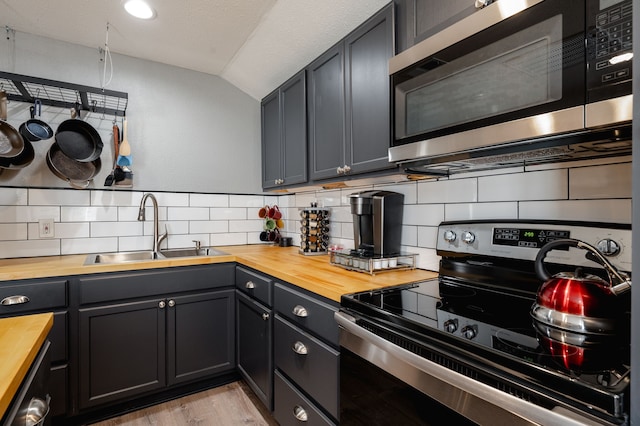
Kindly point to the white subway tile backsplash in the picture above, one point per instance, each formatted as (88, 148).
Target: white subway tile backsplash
(208, 226)
(477, 211)
(249, 201)
(14, 231)
(115, 229)
(173, 227)
(13, 196)
(136, 243)
(183, 241)
(423, 214)
(427, 237)
(29, 248)
(62, 230)
(610, 181)
(542, 185)
(168, 199)
(448, 191)
(409, 190)
(328, 198)
(409, 235)
(188, 213)
(208, 200)
(254, 225)
(230, 239)
(115, 198)
(89, 214)
(89, 245)
(616, 211)
(11, 214)
(232, 213)
(59, 197)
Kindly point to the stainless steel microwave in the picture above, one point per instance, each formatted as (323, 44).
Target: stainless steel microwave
(517, 82)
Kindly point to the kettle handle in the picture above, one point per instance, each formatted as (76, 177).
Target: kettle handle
(543, 274)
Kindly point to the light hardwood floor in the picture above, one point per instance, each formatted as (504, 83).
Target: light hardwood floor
(231, 404)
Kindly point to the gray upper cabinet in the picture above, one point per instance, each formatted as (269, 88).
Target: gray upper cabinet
(348, 102)
(284, 134)
(419, 19)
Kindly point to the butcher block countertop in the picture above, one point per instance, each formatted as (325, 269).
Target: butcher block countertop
(20, 340)
(313, 273)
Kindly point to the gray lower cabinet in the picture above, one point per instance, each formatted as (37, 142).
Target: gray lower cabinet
(26, 297)
(254, 332)
(284, 134)
(416, 20)
(348, 102)
(307, 357)
(142, 332)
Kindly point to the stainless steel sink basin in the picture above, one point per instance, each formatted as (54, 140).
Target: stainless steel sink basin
(140, 256)
(121, 257)
(190, 252)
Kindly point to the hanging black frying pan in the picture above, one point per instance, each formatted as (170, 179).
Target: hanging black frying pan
(11, 142)
(36, 129)
(78, 174)
(79, 140)
(23, 159)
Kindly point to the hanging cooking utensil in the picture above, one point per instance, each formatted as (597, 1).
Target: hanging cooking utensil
(116, 134)
(78, 139)
(78, 174)
(11, 142)
(36, 129)
(124, 156)
(579, 316)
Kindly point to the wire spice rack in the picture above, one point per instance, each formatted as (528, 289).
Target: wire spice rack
(23, 88)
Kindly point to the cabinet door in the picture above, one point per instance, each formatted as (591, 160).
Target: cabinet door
(367, 51)
(271, 128)
(255, 340)
(122, 351)
(200, 335)
(326, 113)
(293, 100)
(419, 19)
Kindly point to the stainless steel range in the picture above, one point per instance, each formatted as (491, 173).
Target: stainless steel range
(467, 345)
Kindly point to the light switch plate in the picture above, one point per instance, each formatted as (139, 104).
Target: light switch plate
(46, 228)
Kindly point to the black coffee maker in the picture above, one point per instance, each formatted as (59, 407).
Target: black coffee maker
(377, 222)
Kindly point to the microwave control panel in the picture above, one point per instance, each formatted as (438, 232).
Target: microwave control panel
(609, 38)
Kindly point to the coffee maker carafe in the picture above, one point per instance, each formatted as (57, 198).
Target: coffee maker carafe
(377, 222)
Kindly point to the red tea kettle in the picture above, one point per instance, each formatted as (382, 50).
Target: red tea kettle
(579, 318)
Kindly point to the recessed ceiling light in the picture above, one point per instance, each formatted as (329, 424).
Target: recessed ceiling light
(139, 9)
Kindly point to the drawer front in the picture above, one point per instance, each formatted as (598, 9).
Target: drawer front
(311, 364)
(255, 285)
(33, 296)
(312, 314)
(58, 337)
(289, 402)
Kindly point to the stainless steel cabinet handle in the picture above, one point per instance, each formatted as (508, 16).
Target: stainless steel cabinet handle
(265, 316)
(172, 303)
(300, 413)
(300, 311)
(346, 169)
(162, 304)
(300, 348)
(37, 411)
(340, 170)
(14, 300)
(250, 285)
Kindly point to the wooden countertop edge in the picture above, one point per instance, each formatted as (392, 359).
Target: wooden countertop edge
(22, 336)
(313, 273)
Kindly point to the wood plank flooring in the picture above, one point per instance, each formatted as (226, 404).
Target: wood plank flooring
(231, 404)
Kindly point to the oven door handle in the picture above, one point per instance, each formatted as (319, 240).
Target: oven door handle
(435, 380)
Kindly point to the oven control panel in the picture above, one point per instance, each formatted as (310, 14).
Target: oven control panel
(522, 240)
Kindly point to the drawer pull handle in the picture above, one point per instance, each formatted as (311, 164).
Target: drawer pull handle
(172, 303)
(265, 316)
(250, 285)
(37, 411)
(300, 413)
(14, 300)
(300, 311)
(162, 304)
(300, 348)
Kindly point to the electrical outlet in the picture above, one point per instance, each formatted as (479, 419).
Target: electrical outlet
(45, 228)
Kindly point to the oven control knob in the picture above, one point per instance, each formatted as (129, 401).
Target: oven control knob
(608, 247)
(451, 326)
(449, 236)
(468, 237)
(469, 331)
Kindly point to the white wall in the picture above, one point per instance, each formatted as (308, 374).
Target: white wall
(188, 131)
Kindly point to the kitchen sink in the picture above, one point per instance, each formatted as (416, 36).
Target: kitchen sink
(190, 252)
(141, 256)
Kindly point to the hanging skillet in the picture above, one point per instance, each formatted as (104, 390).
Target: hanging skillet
(79, 140)
(36, 129)
(78, 174)
(11, 142)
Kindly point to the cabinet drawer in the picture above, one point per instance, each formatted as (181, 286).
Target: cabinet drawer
(255, 285)
(312, 314)
(58, 337)
(311, 364)
(42, 295)
(289, 402)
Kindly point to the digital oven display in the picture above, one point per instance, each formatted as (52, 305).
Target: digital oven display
(526, 237)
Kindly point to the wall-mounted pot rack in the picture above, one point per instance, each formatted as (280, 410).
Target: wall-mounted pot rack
(23, 88)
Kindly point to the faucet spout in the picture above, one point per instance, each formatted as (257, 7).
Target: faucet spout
(157, 238)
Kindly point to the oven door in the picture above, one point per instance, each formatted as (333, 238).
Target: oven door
(381, 382)
(526, 66)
